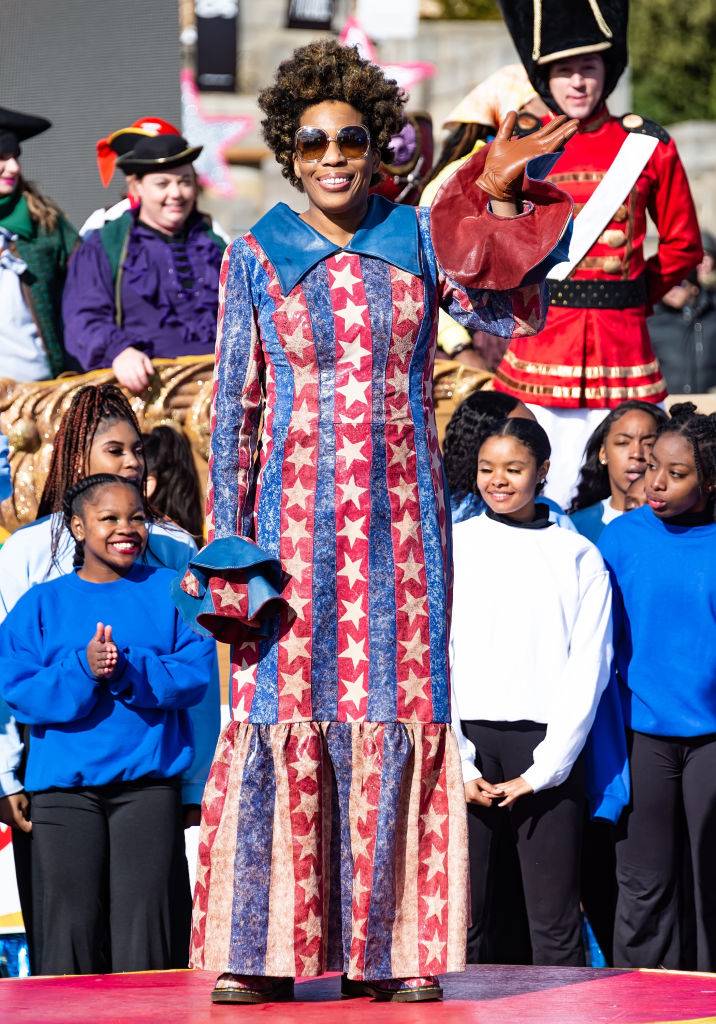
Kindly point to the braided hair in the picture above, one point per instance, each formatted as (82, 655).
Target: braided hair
(699, 430)
(529, 433)
(79, 495)
(92, 408)
(593, 483)
(469, 425)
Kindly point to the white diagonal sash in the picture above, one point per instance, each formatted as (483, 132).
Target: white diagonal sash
(606, 199)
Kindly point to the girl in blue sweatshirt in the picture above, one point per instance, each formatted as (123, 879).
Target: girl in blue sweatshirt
(101, 667)
(663, 563)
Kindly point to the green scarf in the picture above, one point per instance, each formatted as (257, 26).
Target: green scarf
(46, 254)
(15, 215)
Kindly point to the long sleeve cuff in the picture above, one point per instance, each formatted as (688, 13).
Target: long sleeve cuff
(537, 778)
(479, 250)
(232, 590)
(9, 784)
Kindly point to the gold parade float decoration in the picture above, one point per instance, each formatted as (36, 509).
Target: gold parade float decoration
(180, 396)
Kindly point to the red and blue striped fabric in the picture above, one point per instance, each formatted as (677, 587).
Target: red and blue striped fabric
(334, 818)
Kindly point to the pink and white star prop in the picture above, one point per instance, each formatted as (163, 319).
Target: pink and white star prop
(215, 132)
(406, 73)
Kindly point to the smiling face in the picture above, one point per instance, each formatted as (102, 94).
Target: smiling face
(577, 84)
(625, 451)
(117, 449)
(508, 476)
(9, 173)
(167, 198)
(671, 480)
(336, 186)
(112, 525)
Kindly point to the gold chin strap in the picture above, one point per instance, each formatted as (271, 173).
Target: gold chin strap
(537, 25)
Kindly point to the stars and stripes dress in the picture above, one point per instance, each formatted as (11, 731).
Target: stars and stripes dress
(334, 829)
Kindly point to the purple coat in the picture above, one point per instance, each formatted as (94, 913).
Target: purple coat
(169, 290)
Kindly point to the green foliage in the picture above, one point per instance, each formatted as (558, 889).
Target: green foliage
(484, 10)
(672, 47)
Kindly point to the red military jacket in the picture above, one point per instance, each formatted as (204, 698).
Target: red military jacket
(598, 357)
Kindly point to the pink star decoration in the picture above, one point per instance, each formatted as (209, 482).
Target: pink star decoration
(215, 132)
(406, 73)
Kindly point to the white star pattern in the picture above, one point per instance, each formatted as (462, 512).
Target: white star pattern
(405, 490)
(313, 927)
(413, 606)
(296, 494)
(353, 530)
(433, 822)
(355, 650)
(352, 315)
(298, 604)
(292, 685)
(414, 648)
(344, 278)
(228, 596)
(433, 949)
(307, 843)
(436, 905)
(295, 647)
(401, 454)
(354, 353)
(297, 530)
(295, 342)
(352, 570)
(353, 612)
(413, 686)
(355, 692)
(351, 451)
(354, 390)
(303, 412)
(408, 310)
(293, 305)
(410, 569)
(310, 885)
(301, 456)
(352, 492)
(435, 863)
(407, 528)
(295, 564)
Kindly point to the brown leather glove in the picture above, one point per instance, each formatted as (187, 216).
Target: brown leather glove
(507, 158)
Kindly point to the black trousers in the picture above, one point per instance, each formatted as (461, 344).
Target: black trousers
(548, 831)
(673, 783)
(110, 882)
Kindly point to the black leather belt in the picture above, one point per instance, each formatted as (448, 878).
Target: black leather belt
(598, 294)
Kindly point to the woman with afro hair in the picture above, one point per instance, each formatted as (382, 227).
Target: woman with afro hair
(333, 834)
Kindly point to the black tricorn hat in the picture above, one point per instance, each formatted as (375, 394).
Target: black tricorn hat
(16, 127)
(158, 153)
(548, 30)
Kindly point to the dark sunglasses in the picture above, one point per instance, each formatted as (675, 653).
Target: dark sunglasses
(311, 144)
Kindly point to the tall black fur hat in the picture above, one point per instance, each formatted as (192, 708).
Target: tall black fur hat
(548, 30)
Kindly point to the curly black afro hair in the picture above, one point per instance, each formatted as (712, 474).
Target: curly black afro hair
(322, 71)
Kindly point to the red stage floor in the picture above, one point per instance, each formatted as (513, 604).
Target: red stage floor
(483, 995)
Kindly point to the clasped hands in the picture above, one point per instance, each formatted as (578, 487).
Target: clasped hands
(507, 157)
(482, 792)
(102, 654)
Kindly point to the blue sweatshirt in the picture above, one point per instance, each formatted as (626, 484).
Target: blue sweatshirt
(664, 581)
(90, 732)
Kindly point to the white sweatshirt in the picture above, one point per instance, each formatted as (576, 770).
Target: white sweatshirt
(531, 637)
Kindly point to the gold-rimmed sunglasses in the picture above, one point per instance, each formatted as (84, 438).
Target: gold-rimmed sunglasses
(311, 144)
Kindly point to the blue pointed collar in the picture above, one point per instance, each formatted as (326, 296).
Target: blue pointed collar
(388, 232)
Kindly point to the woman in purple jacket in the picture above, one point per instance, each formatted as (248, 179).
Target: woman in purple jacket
(146, 285)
